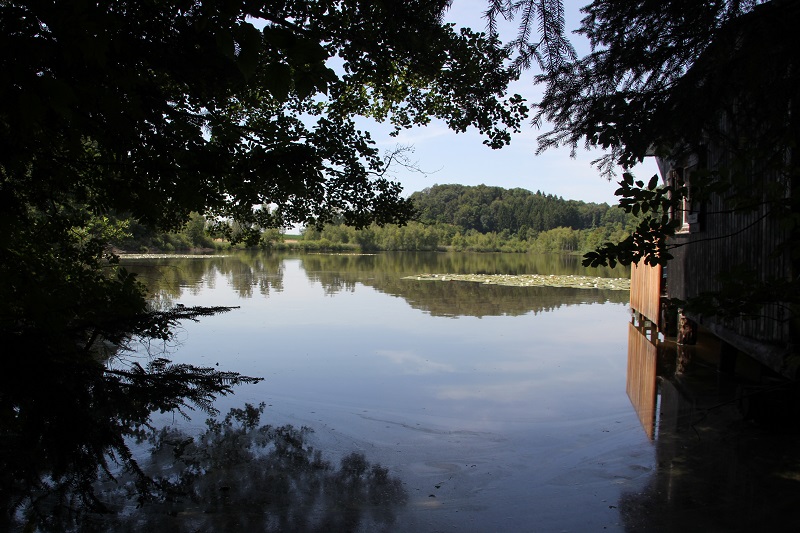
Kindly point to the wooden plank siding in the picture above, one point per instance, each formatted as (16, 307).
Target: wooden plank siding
(640, 383)
(720, 240)
(646, 291)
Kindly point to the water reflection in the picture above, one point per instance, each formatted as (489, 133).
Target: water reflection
(641, 377)
(494, 421)
(247, 273)
(384, 273)
(240, 475)
(68, 410)
(170, 278)
(407, 263)
(481, 414)
(727, 449)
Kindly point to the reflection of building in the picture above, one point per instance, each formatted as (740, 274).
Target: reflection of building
(641, 379)
(655, 379)
(713, 471)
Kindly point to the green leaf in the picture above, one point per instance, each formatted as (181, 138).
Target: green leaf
(279, 38)
(249, 50)
(307, 51)
(305, 85)
(278, 80)
(225, 43)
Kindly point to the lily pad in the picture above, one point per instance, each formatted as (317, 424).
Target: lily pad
(533, 280)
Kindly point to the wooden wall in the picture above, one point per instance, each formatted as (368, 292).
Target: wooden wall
(722, 240)
(646, 291)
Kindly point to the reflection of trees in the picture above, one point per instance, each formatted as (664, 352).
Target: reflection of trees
(475, 299)
(66, 412)
(408, 263)
(241, 476)
(246, 272)
(74, 428)
(383, 273)
(719, 466)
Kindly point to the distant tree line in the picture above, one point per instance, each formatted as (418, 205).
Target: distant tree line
(494, 209)
(198, 233)
(416, 236)
(485, 219)
(457, 217)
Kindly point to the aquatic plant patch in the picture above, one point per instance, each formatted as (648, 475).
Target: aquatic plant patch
(533, 280)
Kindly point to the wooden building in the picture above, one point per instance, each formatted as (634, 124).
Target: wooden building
(719, 250)
(737, 246)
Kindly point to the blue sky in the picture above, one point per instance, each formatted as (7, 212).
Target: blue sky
(447, 157)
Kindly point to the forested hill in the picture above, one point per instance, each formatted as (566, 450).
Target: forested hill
(487, 209)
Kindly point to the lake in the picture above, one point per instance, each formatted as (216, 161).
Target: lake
(496, 408)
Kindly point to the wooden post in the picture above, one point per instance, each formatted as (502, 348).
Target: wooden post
(683, 358)
(669, 320)
(653, 333)
(687, 330)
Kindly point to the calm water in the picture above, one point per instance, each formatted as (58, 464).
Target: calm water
(499, 408)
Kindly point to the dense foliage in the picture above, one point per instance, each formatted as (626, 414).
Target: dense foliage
(415, 236)
(711, 86)
(238, 111)
(486, 219)
(460, 217)
(487, 209)
(163, 108)
(668, 79)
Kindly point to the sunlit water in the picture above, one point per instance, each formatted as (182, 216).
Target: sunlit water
(500, 408)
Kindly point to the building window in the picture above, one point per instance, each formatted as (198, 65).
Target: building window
(683, 211)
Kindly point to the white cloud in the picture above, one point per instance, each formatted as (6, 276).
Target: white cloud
(412, 363)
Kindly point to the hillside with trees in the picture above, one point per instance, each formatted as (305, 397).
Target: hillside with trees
(485, 219)
(486, 209)
(457, 217)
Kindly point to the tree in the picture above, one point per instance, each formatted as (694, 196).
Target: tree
(657, 79)
(670, 79)
(487, 209)
(163, 108)
(195, 230)
(160, 109)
